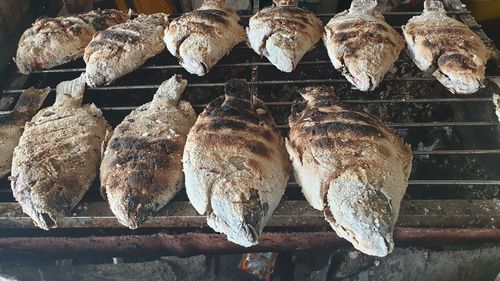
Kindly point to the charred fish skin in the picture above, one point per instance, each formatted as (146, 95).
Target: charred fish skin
(12, 124)
(434, 39)
(362, 45)
(199, 39)
(235, 164)
(350, 166)
(284, 33)
(141, 170)
(54, 41)
(122, 48)
(58, 155)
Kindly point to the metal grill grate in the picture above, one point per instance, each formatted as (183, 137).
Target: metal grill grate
(456, 140)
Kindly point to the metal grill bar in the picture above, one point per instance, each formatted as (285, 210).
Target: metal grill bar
(190, 244)
(454, 182)
(385, 13)
(178, 66)
(410, 182)
(427, 124)
(289, 214)
(262, 82)
(439, 182)
(289, 103)
(458, 152)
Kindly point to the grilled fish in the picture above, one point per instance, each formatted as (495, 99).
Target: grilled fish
(12, 124)
(54, 41)
(433, 39)
(142, 166)
(122, 48)
(235, 164)
(199, 39)
(58, 155)
(362, 45)
(350, 166)
(284, 33)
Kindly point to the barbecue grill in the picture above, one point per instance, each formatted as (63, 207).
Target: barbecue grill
(453, 194)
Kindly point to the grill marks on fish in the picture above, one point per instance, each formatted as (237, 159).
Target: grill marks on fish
(347, 146)
(209, 15)
(355, 40)
(120, 36)
(220, 124)
(359, 24)
(459, 60)
(444, 37)
(203, 21)
(149, 153)
(414, 29)
(98, 20)
(285, 13)
(221, 132)
(72, 25)
(255, 147)
(230, 112)
(284, 18)
(237, 114)
(330, 125)
(268, 134)
(360, 130)
(286, 24)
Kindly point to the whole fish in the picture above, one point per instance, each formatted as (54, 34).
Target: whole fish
(235, 164)
(350, 166)
(58, 155)
(142, 166)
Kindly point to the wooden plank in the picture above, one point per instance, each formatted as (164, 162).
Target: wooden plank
(290, 214)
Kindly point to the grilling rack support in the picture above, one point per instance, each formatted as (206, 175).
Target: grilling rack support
(189, 244)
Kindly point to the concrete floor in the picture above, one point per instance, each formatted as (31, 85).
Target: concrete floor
(465, 263)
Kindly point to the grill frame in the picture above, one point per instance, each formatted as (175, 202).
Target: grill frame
(429, 222)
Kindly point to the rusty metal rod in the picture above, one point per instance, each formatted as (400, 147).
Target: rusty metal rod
(188, 244)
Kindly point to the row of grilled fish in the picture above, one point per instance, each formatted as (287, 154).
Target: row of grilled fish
(359, 42)
(232, 159)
